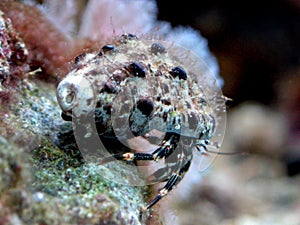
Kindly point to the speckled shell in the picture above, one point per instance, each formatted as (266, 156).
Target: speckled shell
(137, 85)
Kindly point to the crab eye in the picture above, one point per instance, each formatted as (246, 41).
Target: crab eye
(178, 71)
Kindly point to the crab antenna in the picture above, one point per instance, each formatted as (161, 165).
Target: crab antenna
(205, 151)
(226, 153)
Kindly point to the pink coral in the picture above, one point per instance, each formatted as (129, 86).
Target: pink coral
(47, 47)
(52, 40)
(105, 18)
(13, 53)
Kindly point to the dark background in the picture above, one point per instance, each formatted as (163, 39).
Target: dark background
(257, 46)
(256, 42)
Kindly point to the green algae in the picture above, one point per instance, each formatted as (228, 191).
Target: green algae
(44, 179)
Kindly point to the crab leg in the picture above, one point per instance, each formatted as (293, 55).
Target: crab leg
(180, 163)
(167, 148)
(174, 179)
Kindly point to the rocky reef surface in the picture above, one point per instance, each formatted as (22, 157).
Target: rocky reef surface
(43, 179)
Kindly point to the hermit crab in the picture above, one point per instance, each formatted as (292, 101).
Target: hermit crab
(144, 89)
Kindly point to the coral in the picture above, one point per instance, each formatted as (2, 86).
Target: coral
(63, 14)
(41, 183)
(47, 47)
(103, 19)
(13, 52)
(13, 61)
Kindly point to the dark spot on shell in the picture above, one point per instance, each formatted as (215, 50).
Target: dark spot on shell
(166, 101)
(165, 116)
(130, 36)
(89, 101)
(66, 117)
(146, 106)
(99, 104)
(178, 71)
(193, 121)
(79, 58)
(109, 88)
(157, 48)
(125, 37)
(106, 48)
(174, 121)
(107, 108)
(142, 57)
(119, 77)
(136, 69)
(93, 72)
(188, 105)
(203, 121)
(202, 101)
(158, 73)
(149, 68)
(166, 88)
(134, 90)
(183, 117)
